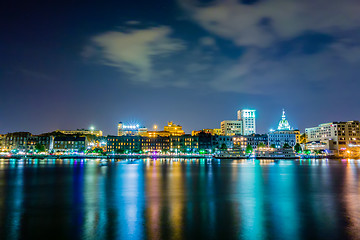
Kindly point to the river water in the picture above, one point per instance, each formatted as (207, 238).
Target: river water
(180, 199)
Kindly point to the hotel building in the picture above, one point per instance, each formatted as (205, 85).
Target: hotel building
(231, 127)
(247, 117)
(338, 136)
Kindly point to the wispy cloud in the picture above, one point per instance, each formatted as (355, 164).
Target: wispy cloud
(133, 51)
(262, 23)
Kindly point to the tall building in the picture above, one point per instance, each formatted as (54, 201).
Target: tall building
(247, 117)
(173, 129)
(284, 134)
(231, 127)
(131, 130)
(338, 136)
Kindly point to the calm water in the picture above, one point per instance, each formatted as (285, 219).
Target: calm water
(180, 199)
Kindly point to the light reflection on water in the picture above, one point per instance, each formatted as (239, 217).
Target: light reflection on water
(179, 199)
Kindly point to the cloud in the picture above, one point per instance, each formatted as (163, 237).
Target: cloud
(134, 51)
(264, 22)
(284, 47)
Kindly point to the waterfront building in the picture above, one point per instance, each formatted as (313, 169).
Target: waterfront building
(283, 134)
(82, 131)
(218, 141)
(155, 144)
(131, 130)
(43, 140)
(16, 141)
(69, 144)
(174, 129)
(247, 117)
(256, 139)
(205, 141)
(123, 143)
(337, 136)
(2, 143)
(184, 143)
(231, 128)
(240, 142)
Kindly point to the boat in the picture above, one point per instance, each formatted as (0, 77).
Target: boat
(231, 154)
(278, 153)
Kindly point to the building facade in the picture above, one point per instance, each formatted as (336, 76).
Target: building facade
(184, 143)
(247, 117)
(231, 128)
(338, 136)
(70, 144)
(218, 141)
(257, 139)
(131, 130)
(284, 134)
(174, 129)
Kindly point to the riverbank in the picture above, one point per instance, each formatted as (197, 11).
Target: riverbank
(115, 156)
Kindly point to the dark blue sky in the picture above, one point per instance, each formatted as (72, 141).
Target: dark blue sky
(66, 65)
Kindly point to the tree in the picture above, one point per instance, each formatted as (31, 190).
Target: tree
(120, 151)
(39, 147)
(261, 145)
(81, 149)
(297, 148)
(249, 149)
(223, 146)
(272, 146)
(286, 145)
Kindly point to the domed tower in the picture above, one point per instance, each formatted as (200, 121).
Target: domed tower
(284, 124)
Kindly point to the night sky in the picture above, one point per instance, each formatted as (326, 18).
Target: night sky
(73, 64)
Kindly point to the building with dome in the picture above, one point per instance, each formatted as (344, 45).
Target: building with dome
(284, 134)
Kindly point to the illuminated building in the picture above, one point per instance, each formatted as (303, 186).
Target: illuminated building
(231, 127)
(247, 117)
(25, 141)
(338, 136)
(173, 129)
(155, 144)
(184, 143)
(240, 142)
(69, 144)
(2, 143)
(82, 131)
(131, 130)
(284, 134)
(157, 134)
(17, 141)
(123, 143)
(215, 131)
(254, 140)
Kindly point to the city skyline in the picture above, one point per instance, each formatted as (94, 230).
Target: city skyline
(67, 65)
(114, 129)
